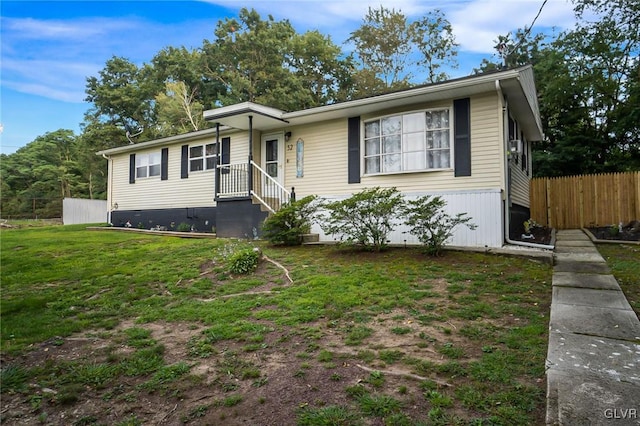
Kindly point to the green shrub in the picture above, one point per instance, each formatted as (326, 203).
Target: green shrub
(184, 227)
(366, 218)
(244, 261)
(286, 226)
(431, 225)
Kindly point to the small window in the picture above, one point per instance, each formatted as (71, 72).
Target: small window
(148, 165)
(410, 142)
(202, 157)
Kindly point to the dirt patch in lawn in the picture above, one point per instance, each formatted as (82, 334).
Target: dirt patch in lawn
(231, 386)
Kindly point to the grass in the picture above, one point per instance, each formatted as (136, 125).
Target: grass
(479, 322)
(624, 261)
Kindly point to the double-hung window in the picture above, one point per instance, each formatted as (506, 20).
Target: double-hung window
(408, 142)
(148, 165)
(202, 157)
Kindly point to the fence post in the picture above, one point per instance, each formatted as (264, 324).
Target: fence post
(581, 202)
(548, 195)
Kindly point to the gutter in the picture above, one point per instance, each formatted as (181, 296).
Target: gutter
(109, 185)
(507, 223)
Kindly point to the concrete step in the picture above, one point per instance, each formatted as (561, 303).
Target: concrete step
(310, 238)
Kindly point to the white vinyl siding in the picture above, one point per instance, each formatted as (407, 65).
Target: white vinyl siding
(483, 206)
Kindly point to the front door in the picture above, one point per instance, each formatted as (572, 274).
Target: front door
(273, 156)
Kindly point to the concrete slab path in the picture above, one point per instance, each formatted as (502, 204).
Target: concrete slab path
(593, 359)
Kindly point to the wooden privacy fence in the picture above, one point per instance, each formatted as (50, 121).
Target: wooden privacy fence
(586, 201)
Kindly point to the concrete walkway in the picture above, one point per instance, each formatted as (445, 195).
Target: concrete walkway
(593, 360)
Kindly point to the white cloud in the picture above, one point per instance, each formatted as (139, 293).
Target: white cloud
(479, 23)
(60, 80)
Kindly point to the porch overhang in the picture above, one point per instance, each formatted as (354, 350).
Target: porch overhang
(237, 116)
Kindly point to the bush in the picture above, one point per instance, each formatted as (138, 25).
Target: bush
(366, 218)
(184, 227)
(431, 225)
(244, 261)
(286, 226)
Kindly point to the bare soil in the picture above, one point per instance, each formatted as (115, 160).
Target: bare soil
(287, 382)
(629, 232)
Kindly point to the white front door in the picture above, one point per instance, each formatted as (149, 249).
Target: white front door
(273, 156)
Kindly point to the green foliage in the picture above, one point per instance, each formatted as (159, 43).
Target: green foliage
(244, 261)
(387, 44)
(333, 415)
(379, 405)
(591, 128)
(431, 225)
(287, 225)
(13, 378)
(366, 218)
(183, 227)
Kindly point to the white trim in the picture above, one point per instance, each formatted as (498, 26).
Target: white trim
(448, 107)
(279, 136)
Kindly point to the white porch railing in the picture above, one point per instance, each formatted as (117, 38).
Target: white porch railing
(244, 180)
(267, 190)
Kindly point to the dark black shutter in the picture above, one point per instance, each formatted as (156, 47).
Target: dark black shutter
(184, 162)
(462, 136)
(164, 164)
(132, 168)
(225, 155)
(353, 144)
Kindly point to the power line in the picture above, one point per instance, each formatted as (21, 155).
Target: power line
(528, 30)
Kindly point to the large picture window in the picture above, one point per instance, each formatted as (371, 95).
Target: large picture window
(148, 165)
(202, 157)
(409, 142)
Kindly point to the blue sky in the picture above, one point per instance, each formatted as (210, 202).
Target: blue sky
(49, 48)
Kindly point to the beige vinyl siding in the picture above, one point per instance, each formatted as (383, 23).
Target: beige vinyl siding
(520, 181)
(175, 192)
(325, 157)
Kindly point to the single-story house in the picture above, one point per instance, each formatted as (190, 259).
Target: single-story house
(467, 140)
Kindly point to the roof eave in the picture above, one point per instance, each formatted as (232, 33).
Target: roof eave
(185, 137)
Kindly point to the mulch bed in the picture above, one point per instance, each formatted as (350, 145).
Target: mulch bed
(630, 232)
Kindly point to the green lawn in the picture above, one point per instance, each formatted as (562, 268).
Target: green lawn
(624, 261)
(359, 338)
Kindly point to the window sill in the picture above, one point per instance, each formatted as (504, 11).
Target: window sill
(406, 172)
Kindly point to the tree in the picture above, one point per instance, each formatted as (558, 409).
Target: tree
(435, 40)
(392, 48)
(123, 95)
(178, 111)
(249, 58)
(587, 81)
(383, 44)
(37, 176)
(317, 63)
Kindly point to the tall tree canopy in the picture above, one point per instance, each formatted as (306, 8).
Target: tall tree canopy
(587, 80)
(387, 43)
